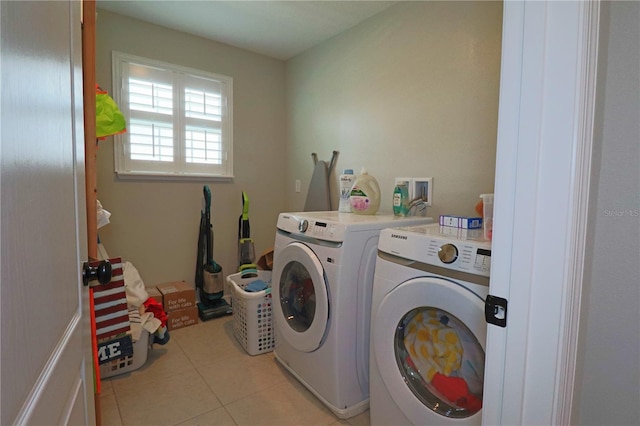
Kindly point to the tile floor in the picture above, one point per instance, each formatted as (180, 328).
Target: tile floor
(204, 377)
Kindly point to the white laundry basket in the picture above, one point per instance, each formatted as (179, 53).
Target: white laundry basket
(128, 363)
(252, 312)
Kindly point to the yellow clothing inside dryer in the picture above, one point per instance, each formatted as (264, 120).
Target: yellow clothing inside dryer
(434, 346)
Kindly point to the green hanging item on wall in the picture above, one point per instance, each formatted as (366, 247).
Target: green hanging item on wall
(109, 119)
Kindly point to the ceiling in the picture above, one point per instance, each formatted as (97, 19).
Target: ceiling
(279, 29)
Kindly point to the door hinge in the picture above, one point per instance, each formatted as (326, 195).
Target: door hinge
(495, 310)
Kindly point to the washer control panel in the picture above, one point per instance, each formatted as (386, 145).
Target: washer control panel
(426, 244)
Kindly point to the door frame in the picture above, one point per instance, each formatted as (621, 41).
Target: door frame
(545, 134)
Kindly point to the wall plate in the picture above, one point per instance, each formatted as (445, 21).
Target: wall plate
(422, 186)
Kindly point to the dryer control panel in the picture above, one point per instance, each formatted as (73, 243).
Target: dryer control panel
(311, 227)
(335, 227)
(430, 245)
(459, 256)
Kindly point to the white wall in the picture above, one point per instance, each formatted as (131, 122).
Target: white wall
(412, 91)
(608, 377)
(155, 223)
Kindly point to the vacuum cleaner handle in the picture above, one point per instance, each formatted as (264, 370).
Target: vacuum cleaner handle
(244, 222)
(207, 226)
(207, 199)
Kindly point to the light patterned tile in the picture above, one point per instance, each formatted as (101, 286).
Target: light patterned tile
(106, 387)
(166, 400)
(208, 342)
(362, 419)
(240, 376)
(162, 361)
(109, 413)
(285, 403)
(217, 417)
(203, 366)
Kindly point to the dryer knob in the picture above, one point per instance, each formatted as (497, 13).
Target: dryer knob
(448, 253)
(303, 225)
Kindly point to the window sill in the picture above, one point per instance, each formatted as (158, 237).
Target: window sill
(134, 175)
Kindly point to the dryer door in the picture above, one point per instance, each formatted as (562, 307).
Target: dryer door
(301, 301)
(429, 340)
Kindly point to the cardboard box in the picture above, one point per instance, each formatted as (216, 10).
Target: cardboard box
(461, 222)
(452, 221)
(470, 223)
(155, 294)
(177, 295)
(182, 318)
(265, 262)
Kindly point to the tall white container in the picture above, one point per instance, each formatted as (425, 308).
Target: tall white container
(487, 215)
(346, 182)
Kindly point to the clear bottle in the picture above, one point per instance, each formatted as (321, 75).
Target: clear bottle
(346, 182)
(401, 199)
(364, 197)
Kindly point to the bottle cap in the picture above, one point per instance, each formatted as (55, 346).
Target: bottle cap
(347, 171)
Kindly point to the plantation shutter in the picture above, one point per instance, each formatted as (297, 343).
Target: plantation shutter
(179, 123)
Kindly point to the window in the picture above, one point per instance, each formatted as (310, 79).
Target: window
(179, 120)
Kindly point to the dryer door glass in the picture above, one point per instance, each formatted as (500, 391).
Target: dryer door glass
(297, 296)
(441, 361)
(300, 288)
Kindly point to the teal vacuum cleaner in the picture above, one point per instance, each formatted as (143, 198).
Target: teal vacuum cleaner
(209, 277)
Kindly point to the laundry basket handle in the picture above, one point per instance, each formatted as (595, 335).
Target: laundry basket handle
(248, 272)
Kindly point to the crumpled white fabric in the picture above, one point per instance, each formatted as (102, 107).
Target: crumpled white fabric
(103, 215)
(134, 286)
(139, 322)
(136, 296)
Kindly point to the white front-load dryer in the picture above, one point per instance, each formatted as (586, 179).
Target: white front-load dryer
(428, 327)
(321, 284)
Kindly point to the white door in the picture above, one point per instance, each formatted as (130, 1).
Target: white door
(46, 342)
(545, 129)
(429, 346)
(301, 299)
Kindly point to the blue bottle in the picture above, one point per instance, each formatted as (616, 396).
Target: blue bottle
(400, 199)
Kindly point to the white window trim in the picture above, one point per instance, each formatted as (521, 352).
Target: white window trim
(120, 161)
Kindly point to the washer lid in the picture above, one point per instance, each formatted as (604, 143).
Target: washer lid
(429, 342)
(300, 297)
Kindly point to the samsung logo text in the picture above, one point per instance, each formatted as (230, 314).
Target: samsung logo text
(400, 237)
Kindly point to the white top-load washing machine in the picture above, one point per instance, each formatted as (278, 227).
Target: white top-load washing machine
(428, 327)
(321, 282)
